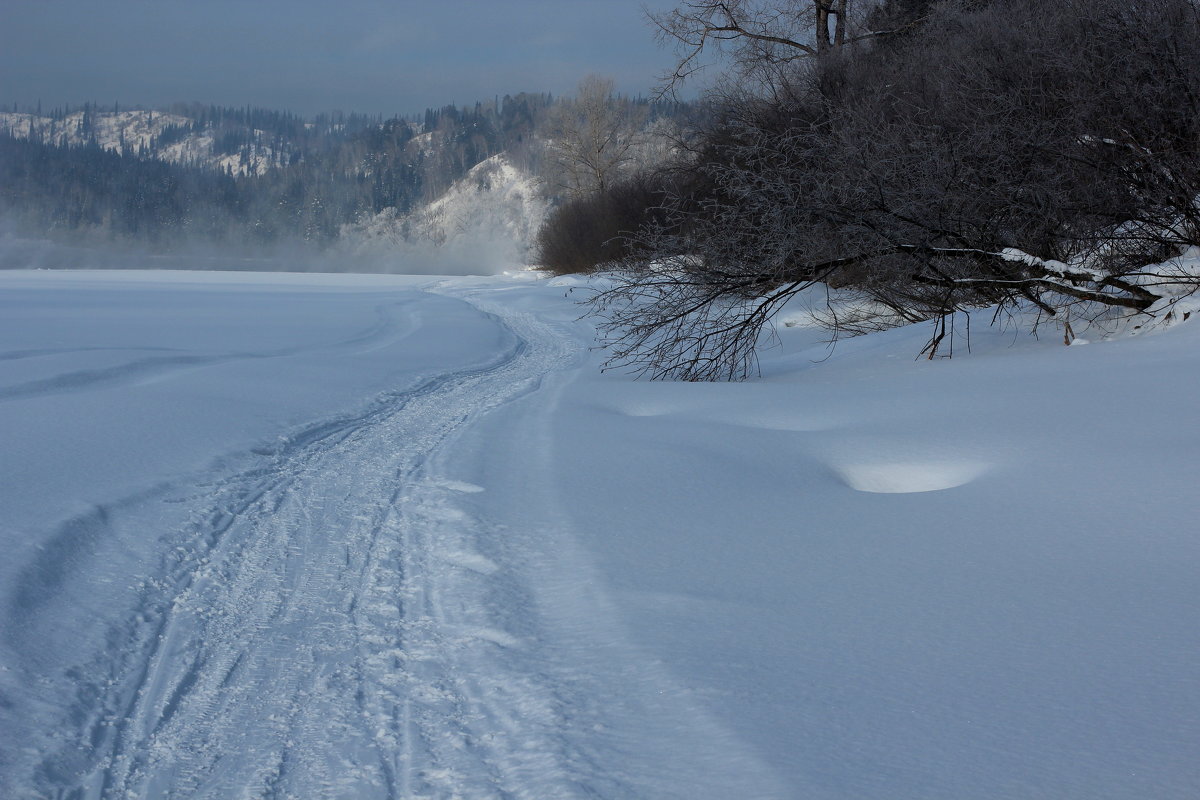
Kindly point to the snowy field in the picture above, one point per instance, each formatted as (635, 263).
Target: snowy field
(324, 536)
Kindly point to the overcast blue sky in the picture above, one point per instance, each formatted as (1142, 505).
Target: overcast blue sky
(373, 56)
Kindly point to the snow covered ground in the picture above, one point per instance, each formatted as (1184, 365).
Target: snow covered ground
(396, 536)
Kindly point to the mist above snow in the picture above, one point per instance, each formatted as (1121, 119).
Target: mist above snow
(484, 224)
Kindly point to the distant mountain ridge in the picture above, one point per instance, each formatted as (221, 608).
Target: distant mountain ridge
(169, 137)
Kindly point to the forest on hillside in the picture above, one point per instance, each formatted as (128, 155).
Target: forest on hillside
(60, 179)
(254, 177)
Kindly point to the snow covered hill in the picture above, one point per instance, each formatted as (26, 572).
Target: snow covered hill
(485, 222)
(131, 132)
(396, 536)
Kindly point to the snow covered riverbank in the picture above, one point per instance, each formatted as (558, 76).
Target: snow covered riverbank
(359, 536)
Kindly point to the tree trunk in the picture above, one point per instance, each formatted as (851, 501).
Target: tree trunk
(824, 43)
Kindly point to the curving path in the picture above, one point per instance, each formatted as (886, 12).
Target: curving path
(341, 623)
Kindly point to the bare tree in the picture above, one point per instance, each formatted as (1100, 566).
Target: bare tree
(593, 138)
(758, 36)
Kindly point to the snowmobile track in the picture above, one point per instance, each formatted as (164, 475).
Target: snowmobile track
(322, 632)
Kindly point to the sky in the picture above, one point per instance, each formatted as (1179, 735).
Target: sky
(371, 56)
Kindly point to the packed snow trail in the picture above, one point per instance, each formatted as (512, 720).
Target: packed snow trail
(328, 626)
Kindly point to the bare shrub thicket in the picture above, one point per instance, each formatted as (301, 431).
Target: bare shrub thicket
(593, 230)
(594, 139)
(995, 153)
(599, 168)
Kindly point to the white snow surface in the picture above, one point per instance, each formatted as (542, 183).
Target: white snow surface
(337, 536)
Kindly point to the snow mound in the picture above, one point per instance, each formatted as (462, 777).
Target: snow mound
(909, 477)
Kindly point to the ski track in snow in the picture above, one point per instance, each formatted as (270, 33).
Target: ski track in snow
(327, 633)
